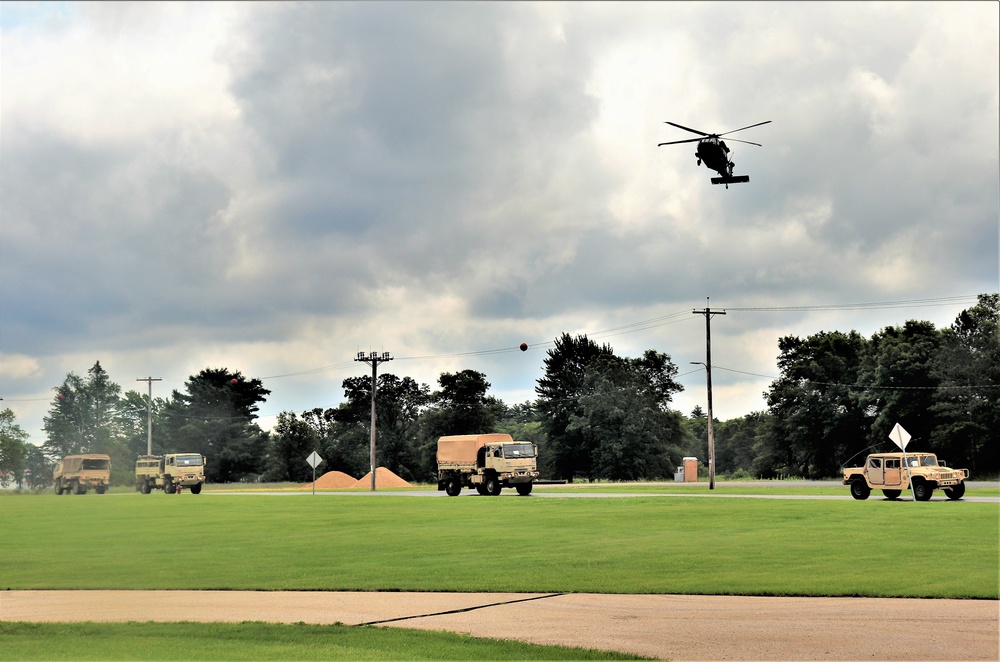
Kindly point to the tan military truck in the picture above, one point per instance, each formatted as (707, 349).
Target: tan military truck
(169, 472)
(892, 473)
(487, 462)
(78, 473)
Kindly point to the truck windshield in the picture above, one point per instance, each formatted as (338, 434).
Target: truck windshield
(514, 451)
(189, 460)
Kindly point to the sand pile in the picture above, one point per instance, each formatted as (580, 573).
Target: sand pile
(383, 478)
(333, 480)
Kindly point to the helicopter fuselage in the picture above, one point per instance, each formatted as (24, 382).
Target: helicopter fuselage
(715, 155)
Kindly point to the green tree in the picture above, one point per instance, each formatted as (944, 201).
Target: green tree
(13, 449)
(968, 397)
(900, 387)
(735, 440)
(216, 417)
(815, 422)
(292, 441)
(83, 417)
(559, 391)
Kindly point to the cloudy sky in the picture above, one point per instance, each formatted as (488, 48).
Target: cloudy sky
(272, 188)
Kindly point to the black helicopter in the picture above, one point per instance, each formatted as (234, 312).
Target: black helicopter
(713, 151)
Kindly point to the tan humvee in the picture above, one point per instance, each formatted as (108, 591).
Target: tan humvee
(170, 472)
(76, 473)
(895, 472)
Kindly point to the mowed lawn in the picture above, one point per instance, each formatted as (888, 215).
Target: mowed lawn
(507, 544)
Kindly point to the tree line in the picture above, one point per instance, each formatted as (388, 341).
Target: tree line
(596, 415)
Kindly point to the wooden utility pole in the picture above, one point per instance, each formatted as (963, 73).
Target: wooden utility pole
(149, 412)
(708, 312)
(373, 359)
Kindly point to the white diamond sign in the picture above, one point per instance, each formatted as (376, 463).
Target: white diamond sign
(899, 436)
(314, 460)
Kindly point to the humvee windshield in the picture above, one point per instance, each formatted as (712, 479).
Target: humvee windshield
(928, 461)
(515, 451)
(189, 461)
(94, 464)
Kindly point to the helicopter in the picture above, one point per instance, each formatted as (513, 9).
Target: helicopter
(714, 152)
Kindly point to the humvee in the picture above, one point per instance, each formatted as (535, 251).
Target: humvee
(76, 473)
(893, 473)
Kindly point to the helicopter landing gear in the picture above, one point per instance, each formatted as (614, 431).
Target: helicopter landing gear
(699, 161)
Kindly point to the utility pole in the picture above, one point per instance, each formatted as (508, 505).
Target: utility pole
(708, 312)
(149, 412)
(373, 359)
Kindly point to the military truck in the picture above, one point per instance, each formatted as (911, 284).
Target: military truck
(78, 473)
(487, 462)
(893, 472)
(170, 472)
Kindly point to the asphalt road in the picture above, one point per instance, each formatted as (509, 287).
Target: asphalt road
(676, 627)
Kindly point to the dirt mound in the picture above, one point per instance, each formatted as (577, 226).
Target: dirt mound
(333, 480)
(383, 478)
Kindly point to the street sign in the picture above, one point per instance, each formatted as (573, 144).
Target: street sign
(900, 437)
(314, 460)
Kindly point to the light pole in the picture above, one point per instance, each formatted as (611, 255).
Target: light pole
(149, 412)
(373, 359)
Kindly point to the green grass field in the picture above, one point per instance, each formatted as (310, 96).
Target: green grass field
(263, 641)
(633, 545)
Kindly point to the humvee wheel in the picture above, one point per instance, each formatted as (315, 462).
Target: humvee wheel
(453, 488)
(921, 490)
(196, 489)
(524, 489)
(892, 495)
(955, 493)
(493, 486)
(860, 489)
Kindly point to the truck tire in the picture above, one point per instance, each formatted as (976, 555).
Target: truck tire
(101, 489)
(493, 486)
(524, 489)
(144, 487)
(453, 487)
(79, 488)
(892, 495)
(860, 489)
(921, 490)
(59, 486)
(955, 493)
(481, 489)
(196, 488)
(168, 486)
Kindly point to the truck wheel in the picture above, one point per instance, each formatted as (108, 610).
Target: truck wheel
(955, 493)
(59, 487)
(453, 487)
(860, 489)
(169, 487)
(921, 490)
(481, 489)
(101, 489)
(524, 489)
(892, 495)
(144, 487)
(80, 488)
(196, 489)
(493, 486)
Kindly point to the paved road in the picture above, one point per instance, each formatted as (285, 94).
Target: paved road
(676, 627)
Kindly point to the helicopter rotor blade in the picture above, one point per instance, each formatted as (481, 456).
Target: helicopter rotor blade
(700, 133)
(746, 142)
(744, 128)
(678, 142)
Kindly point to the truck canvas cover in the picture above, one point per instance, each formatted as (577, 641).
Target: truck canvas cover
(76, 463)
(462, 448)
